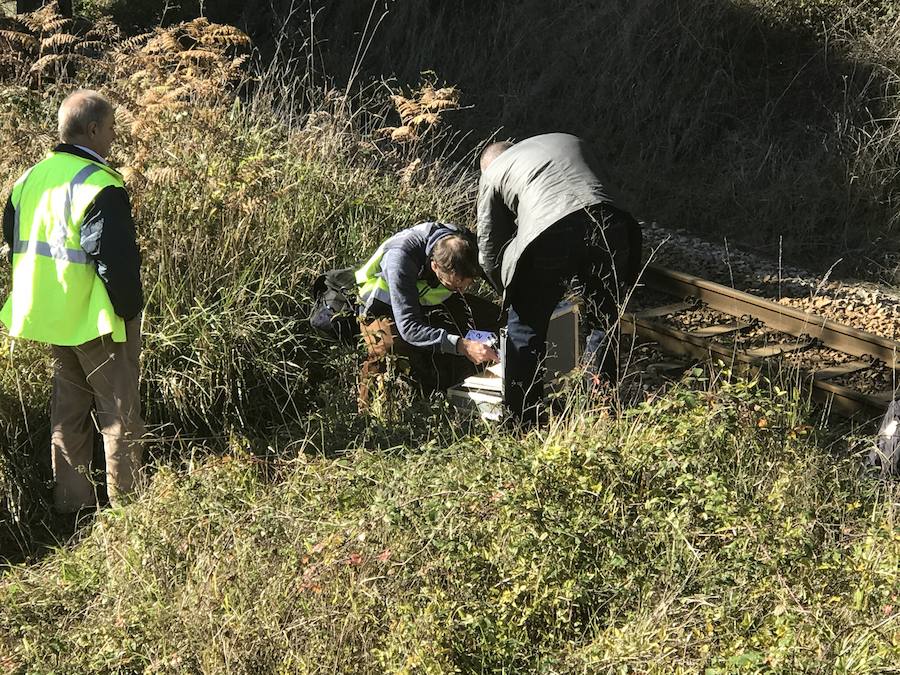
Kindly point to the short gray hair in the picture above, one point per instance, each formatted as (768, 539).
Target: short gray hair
(78, 110)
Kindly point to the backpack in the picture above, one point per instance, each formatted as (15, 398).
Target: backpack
(335, 306)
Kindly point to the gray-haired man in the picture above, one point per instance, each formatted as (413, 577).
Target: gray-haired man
(76, 285)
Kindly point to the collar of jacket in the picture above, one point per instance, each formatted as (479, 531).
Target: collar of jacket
(78, 152)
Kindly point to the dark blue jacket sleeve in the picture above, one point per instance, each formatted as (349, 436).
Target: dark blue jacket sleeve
(9, 220)
(401, 274)
(108, 236)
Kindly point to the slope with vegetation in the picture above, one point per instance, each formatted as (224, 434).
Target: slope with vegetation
(240, 202)
(717, 527)
(706, 531)
(772, 122)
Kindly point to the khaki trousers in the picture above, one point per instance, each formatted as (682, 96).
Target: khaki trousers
(103, 375)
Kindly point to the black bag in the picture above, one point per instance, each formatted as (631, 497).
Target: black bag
(335, 305)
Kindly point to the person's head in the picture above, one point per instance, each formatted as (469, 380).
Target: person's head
(492, 152)
(86, 118)
(454, 260)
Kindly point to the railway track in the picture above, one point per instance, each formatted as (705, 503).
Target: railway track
(853, 371)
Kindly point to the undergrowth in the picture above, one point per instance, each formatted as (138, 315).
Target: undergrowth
(245, 187)
(773, 123)
(709, 530)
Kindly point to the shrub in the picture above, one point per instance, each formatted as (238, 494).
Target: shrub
(684, 536)
(241, 197)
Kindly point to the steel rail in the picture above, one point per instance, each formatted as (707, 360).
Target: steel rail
(845, 339)
(790, 320)
(843, 400)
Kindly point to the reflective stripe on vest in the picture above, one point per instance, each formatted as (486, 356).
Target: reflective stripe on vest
(56, 295)
(369, 280)
(73, 255)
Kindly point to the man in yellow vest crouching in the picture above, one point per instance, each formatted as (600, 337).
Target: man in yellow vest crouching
(413, 305)
(76, 285)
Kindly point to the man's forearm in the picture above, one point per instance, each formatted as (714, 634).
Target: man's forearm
(400, 274)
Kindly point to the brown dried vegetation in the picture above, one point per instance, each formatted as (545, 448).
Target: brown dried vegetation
(420, 112)
(187, 69)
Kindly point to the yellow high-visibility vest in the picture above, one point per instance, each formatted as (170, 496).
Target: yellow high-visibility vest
(56, 295)
(369, 280)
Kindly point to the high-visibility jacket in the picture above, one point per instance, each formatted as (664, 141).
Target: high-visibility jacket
(57, 296)
(419, 238)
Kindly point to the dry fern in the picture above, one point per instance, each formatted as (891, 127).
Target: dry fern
(197, 26)
(62, 61)
(163, 42)
(410, 172)
(132, 176)
(56, 25)
(45, 62)
(420, 112)
(403, 134)
(90, 47)
(59, 40)
(17, 41)
(36, 21)
(440, 104)
(448, 93)
(223, 35)
(182, 74)
(133, 43)
(105, 30)
(124, 116)
(141, 77)
(198, 55)
(428, 118)
(141, 127)
(165, 175)
(238, 63)
(406, 107)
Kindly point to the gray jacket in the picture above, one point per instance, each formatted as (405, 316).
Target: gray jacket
(528, 188)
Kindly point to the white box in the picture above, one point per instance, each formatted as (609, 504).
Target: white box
(484, 391)
(488, 405)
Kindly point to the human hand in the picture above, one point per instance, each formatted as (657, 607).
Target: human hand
(476, 352)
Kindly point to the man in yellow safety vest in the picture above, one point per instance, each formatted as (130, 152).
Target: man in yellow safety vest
(76, 285)
(412, 291)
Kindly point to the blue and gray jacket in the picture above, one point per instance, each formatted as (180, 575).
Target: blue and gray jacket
(399, 275)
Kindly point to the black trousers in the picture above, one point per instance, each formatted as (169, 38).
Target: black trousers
(598, 252)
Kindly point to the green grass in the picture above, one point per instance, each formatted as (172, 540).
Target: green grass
(685, 536)
(236, 216)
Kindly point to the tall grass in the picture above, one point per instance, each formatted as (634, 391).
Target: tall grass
(242, 192)
(760, 120)
(711, 530)
(771, 122)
